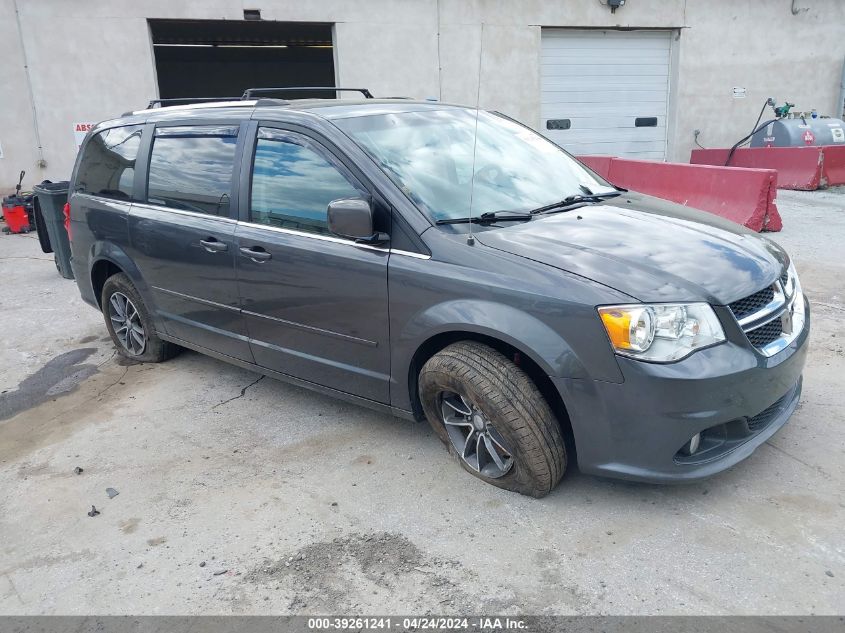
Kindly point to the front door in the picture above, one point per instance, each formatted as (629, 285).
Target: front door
(315, 305)
(182, 237)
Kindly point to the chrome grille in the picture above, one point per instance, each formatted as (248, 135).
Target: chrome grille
(765, 334)
(769, 318)
(752, 303)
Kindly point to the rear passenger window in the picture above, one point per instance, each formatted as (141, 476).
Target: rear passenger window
(293, 182)
(191, 168)
(107, 168)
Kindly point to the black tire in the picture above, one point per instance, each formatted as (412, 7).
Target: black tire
(509, 401)
(154, 350)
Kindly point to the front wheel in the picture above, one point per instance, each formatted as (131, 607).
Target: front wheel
(129, 323)
(493, 418)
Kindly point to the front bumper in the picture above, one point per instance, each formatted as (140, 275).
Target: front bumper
(736, 397)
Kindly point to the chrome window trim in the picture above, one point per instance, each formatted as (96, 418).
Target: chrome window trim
(278, 229)
(101, 199)
(397, 251)
(314, 236)
(194, 214)
(332, 238)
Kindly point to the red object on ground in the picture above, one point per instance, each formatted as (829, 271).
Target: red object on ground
(745, 196)
(16, 218)
(803, 168)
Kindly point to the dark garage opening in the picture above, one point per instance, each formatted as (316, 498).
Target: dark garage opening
(222, 58)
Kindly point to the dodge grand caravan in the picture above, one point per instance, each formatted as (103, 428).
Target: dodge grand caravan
(441, 263)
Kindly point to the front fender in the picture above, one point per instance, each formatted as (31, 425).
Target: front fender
(550, 350)
(503, 322)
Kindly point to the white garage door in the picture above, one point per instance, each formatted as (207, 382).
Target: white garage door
(606, 92)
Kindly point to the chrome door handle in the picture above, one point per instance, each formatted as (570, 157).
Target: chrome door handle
(214, 246)
(256, 255)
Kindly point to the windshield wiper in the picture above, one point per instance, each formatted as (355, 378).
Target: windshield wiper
(488, 218)
(570, 201)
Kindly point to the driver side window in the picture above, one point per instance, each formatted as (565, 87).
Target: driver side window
(293, 181)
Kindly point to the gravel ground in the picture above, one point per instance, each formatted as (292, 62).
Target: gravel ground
(244, 495)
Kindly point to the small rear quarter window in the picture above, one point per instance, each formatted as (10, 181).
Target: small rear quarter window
(107, 167)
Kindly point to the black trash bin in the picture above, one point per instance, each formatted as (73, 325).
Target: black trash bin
(41, 228)
(50, 199)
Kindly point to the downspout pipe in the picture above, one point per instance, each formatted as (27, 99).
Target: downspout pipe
(840, 107)
(41, 162)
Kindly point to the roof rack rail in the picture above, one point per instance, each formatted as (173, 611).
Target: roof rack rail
(269, 101)
(187, 101)
(252, 92)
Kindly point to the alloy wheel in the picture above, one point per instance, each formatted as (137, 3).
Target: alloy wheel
(474, 437)
(126, 322)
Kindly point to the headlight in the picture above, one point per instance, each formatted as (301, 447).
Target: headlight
(662, 332)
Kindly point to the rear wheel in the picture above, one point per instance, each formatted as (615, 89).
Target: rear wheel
(493, 418)
(129, 323)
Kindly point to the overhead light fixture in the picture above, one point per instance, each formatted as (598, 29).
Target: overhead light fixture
(252, 14)
(613, 4)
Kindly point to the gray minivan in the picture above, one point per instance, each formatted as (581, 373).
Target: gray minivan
(442, 263)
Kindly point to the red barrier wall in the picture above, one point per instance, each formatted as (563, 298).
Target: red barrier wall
(833, 167)
(745, 196)
(797, 167)
(599, 164)
(805, 168)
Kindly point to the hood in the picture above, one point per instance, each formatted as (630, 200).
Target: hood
(650, 249)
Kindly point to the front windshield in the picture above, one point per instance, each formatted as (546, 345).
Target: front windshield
(429, 155)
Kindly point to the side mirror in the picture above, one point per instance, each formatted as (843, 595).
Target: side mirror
(352, 218)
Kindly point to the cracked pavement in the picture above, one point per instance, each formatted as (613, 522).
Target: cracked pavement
(241, 394)
(285, 501)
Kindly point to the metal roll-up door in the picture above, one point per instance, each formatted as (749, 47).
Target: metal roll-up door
(606, 92)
